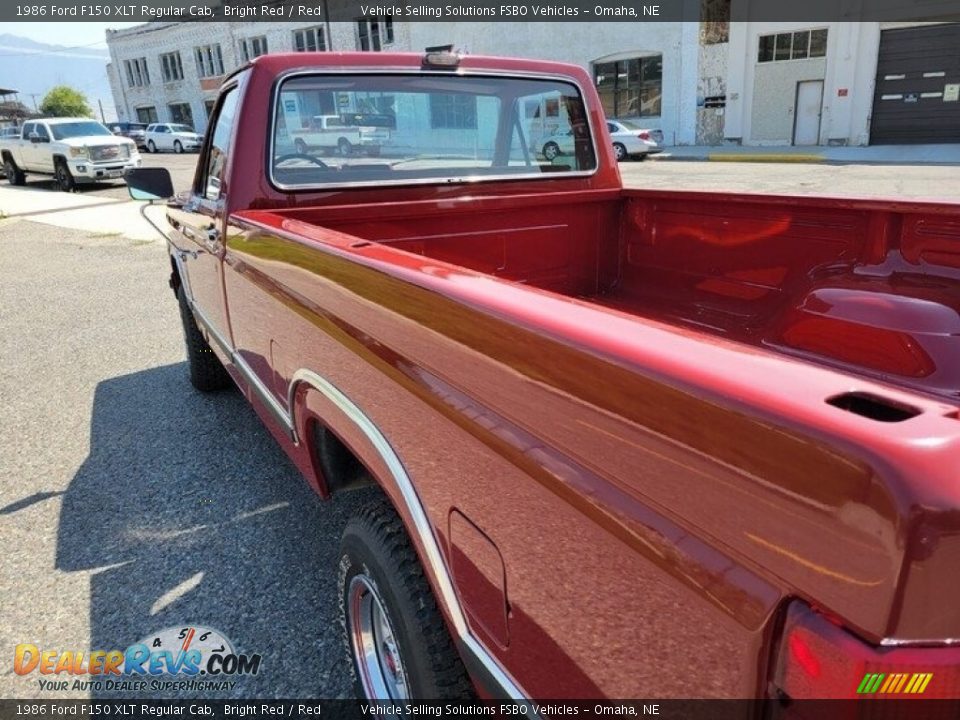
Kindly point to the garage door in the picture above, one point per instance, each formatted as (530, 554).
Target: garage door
(917, 96)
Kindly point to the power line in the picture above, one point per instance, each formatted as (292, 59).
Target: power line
(50, 50)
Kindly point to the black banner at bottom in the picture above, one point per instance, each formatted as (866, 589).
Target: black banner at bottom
(417, 709)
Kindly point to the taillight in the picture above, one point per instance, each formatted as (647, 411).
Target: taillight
(821, 660)
(644, 135)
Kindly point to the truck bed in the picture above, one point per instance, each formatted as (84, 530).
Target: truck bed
(868, 286)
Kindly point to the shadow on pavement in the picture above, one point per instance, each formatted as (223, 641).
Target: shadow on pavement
(188, 513)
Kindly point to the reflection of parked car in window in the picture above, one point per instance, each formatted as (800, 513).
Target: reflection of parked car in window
(343, 133)
(629, 141)
(135, 131)
(172, 136)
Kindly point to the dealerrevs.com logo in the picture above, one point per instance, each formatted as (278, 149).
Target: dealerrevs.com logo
(180, 658)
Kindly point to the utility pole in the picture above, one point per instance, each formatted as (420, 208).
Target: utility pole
(102, 118)
(33, 96)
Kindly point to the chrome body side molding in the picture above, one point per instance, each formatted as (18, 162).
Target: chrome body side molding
(499, 683)
(506, 687)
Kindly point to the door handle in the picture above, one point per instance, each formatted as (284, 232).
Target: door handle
(211, 239)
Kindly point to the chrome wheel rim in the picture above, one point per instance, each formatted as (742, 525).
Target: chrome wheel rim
(374, 643)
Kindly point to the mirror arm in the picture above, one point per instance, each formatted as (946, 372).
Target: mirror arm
(143, 213)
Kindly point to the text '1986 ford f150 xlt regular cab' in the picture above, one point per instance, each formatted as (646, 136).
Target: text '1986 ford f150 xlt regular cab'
(628, 443)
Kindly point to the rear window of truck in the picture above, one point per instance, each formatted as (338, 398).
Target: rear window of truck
(426, 128)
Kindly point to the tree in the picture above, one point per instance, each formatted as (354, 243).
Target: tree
(64, 101)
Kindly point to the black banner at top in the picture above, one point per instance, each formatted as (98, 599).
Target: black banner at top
(481, 10)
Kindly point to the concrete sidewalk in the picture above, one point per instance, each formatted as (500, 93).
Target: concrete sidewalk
(96, 215)
(872, 155)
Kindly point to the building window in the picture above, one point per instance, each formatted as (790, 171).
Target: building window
(630, 88)
(209, 60)
(208, 106)
(171, 67)
(181, 113)
(253, 47)
(453, 112)
(798, 45)
(137, 73)
(374, 34)
(309, 40)
(147, 114)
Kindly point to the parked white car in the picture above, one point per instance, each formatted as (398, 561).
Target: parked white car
(72, 150)
(172, 136)
(345, 134)
(629, 141)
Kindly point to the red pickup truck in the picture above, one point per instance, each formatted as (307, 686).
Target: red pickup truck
(627, 443)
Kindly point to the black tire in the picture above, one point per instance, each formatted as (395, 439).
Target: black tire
(177, 147)
(345, 147)
(620, 151)
(151, 146)
(63, 176)
(207, 373)
(376, 551)
(551, 150)
(14, 174)
(300, 146)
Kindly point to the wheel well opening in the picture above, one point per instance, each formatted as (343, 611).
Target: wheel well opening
(341, 468)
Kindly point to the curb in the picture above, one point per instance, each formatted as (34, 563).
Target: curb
(765, 157)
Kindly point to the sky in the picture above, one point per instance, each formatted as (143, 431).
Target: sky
(70, 34)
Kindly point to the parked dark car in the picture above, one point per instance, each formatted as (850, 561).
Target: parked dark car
(132, 130)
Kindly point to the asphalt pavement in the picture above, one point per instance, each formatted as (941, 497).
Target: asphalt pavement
(130, 503)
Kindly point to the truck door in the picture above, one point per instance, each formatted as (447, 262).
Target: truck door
(200, 225)
(41, 154)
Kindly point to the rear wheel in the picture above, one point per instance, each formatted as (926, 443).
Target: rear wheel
(63, 176)
(14, 174)
(396, 640)
(344, 146)
(206, 371)
(301, 146)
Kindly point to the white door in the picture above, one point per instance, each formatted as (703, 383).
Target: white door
(806, 124)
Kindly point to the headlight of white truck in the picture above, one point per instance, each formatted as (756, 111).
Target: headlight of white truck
(80, 152)
(125, 151)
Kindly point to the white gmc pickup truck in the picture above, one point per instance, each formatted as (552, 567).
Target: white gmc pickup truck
(72, 150)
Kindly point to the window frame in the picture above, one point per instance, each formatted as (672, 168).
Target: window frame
(203, 162)
(257, 40)
(616, 89)
(452, 110)
(138, 74)
(383, 36)
(174, 121)
(209, 58)
(772, 43)
(319, 38)
(275, 94)
(170, 65)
